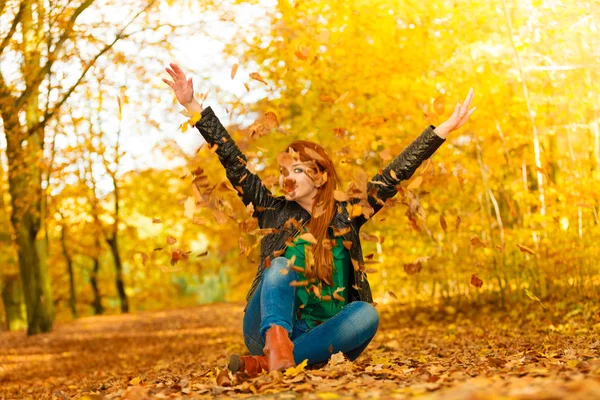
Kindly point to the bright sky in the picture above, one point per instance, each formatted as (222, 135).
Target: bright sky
(199, 55)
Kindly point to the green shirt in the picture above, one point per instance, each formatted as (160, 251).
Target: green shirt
(316, 310)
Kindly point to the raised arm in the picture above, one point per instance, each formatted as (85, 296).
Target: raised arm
(248, 185)
(383, 185)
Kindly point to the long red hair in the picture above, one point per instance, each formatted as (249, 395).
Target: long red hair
(324, 174)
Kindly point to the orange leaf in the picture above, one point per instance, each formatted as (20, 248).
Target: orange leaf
(438, 104)
(302, 53)
(171, 239)
(256, 76)
(270, 120)
(234, 70)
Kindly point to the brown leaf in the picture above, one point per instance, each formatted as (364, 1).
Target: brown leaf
(171, 239)
(156, 221)
(443, 223)
(270, 120)
(234, 70)
(393, 295)
(247, 87)
(475, 281)
(413, 268)
(525, 249)
(144, 258)
(256, 76)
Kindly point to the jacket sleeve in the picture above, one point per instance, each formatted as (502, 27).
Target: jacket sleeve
(383, 185)
(248, 185)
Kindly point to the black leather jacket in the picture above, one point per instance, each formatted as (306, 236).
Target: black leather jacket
(273, 212)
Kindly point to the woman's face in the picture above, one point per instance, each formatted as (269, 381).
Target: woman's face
(294, 180)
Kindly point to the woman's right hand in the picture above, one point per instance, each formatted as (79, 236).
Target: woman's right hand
(184, 91)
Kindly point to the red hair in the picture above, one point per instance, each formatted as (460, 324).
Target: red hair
(322, 172)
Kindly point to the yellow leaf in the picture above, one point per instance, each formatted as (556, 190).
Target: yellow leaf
(293, 371)
(134, 381)
(195, 118)
(422, 359)
(189, 207)
(415, 183)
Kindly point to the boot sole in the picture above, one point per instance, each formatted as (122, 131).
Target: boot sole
(234, 363)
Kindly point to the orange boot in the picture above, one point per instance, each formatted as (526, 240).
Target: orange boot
(252, 365)
(279, 349)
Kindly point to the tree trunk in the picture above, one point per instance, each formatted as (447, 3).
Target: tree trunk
(114, 248)
(72, 294)
(97, 303)
(24, 177)
(12, 295)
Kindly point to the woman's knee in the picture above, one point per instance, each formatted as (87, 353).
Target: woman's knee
(368, 316)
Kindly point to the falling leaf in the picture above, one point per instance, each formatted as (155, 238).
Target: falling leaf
(247, 87)
(302, 53)
(525, 249)
(385, 155)
(475, 281)
(438, 104)
(393, 295)
(156, 221)
(234, 69)
(534, 297)
(340, 196)
(256, 76)
(189, 207)
(135, 381)
(415, 183)
(270, 120)
(443, 223)
(171, 240)
(326, 98)
(144, 258)
(308, 237)
(299, 283)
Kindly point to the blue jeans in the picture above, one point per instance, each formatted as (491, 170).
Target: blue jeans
(274, 302)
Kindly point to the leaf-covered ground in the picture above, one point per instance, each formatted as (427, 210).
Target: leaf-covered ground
(481, 353)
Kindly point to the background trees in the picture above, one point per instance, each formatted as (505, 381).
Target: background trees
(511, 199)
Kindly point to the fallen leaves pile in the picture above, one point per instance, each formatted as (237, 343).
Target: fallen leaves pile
(480, 353)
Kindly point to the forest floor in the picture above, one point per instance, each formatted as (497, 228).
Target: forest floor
(524, 352)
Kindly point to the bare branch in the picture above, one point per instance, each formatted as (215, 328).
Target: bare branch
(49, 114)
(13, 27)
(42, 72)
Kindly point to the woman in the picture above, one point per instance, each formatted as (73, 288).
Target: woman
(310, 297)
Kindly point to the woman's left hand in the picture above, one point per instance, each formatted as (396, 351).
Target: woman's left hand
(458, 118)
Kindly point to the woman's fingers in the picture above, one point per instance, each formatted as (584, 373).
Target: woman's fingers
(168, 82)
(172, 73)
(178, 70)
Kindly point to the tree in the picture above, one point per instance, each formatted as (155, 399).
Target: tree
(43, 36)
